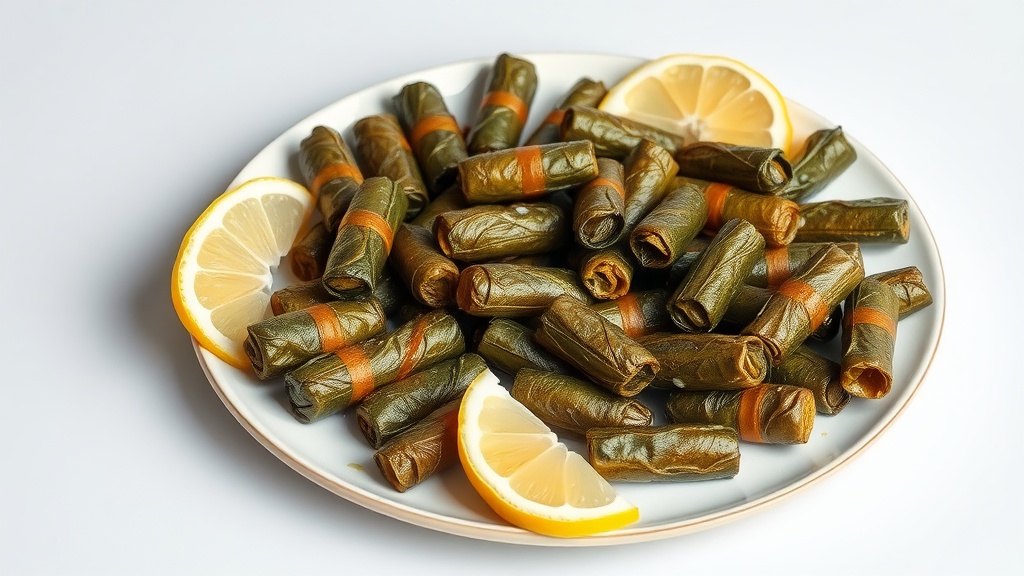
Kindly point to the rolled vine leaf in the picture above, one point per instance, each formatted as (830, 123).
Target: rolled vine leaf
(575, 405)
(505, 107)
(433, 134)
(382, 150)
(752, 168)
(595, 346)
(763, 414)
(666, 453)
(585, 92)
(332, 382)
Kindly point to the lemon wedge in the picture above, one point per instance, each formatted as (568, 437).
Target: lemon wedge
(516, 463)
(704, 98)
(223, 275)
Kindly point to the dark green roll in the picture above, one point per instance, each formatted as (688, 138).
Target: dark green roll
(386, 412)
(329, 383)
(702, 298)
(585, 92)
(509, 346)
(433, 134)
(667, 453)
(613, 136)
(503, 112)
(279, 343)
(884, 220)
(363, 242)
(574, 405)
(826, 155)
(752, 168)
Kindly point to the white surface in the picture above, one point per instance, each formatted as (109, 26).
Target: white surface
(120, 121)
(335, 455)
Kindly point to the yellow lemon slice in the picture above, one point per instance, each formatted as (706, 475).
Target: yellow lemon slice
(704, 98)
(223, 275)
(525, 474)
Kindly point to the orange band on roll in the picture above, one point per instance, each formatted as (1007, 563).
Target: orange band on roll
(531, 164)
(507, 100)
(328, 327)
(749, 423)
(429, 124)
(555, 117)
(359, 371)
(613, 184)
(372, 220)
(777, 268)
(715, 195)
(804, 294)
(411, 353)
(332, 171)
(403, 142)
(865, 315)
(632, 316)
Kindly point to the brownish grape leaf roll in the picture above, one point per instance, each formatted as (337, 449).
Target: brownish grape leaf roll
(826, 154)
(388, 292)
(382, 150)
(509, 346)
(329, 383)
(280, 343)
(330, 171)
(595, 346)
(613, 136)
(433, 134)
(666, 453)
(308, 256)
(598, 213)
(649, 170)
(606, 273)
(776, 218)
(511, 85)
(429, 275)
(750, 300)
(450, 199)
(299, 296)
(708, 361)
(428, 447)
(664, 234)
(526, 172)
(585, 92)
(574, 405)
(752, 168)
(804, 301)
(510, 290)
(364, 238)
(869, 339)
(681, 265)
(808, 369)
(491, 231)
(869, 220)
(910, 288)
(764, 414)
(387, 411)
(637, 313)
(700, 301)
(779, 263)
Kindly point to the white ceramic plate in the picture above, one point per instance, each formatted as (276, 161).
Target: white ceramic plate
(333, 454)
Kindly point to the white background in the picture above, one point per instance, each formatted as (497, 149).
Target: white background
(120, 121)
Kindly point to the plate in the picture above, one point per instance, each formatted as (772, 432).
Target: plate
(332, 452)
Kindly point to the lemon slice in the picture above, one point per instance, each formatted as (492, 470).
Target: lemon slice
(706, 98)
(223, 275)
(525, 474)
